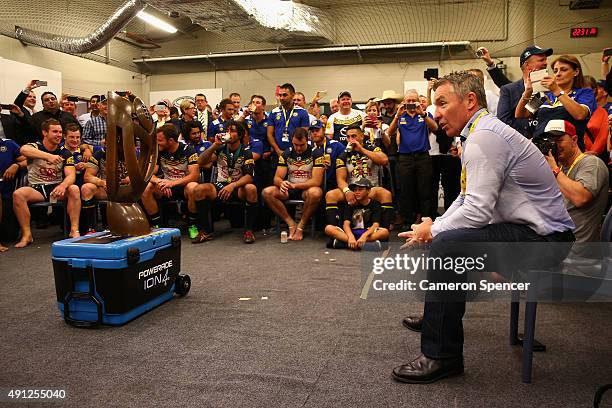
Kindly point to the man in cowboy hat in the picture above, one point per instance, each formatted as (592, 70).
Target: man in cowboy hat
(390, 101)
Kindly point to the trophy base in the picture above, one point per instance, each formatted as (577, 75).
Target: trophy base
(127, 219)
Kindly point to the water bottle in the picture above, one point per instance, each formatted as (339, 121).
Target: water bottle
(284, 238)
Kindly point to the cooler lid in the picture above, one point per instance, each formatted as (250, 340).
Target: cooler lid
(104, 245)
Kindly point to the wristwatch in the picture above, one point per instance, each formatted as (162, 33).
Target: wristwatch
(556, 171)
(560, 94)
(346, 190)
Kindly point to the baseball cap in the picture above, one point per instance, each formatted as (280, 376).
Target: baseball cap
(559, 127)
(316, 124)
(360, 182)
(534, 50)
(344, 93)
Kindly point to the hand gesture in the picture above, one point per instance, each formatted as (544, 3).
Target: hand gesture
(550, 83)
(361, 241)
(226, 192)
(16, 110)
(352, 243)
(350, 198)
(551, 160)
(59, 191)
(54, 159)
(10, 172)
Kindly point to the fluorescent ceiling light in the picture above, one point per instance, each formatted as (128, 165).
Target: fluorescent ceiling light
(156, 22)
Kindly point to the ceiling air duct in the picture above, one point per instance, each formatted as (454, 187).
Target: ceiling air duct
(275, 21)
(82, 45)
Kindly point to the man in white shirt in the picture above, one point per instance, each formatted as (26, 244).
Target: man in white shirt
(345, 117)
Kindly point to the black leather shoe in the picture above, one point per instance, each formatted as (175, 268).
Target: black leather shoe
(414, 323)
(425, 370)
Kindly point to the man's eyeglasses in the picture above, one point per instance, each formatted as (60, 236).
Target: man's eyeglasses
(283, 94)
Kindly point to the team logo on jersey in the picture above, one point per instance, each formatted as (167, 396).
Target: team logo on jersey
(278, 115)
(3, 149)
(265, 124)
(295, 114)
(328, 150)
(343, 131)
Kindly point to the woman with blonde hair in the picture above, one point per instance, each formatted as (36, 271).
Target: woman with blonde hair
(567, 97)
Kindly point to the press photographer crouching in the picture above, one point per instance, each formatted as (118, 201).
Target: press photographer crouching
(582, 178)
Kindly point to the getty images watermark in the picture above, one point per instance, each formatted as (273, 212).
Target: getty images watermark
(411, 264)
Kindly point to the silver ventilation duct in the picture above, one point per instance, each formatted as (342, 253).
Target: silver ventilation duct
(275, 21)
(92, 42)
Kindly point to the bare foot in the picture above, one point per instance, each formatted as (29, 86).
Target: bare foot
(3, 248)
(24, 242)
(298, 234)
(74, 234)
(292, 229)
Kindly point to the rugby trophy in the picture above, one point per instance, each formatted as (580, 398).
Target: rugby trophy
(112, 277)
(127, 123)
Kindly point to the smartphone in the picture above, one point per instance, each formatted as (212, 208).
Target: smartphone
(5, 107)
(410, 106)
(41, 83)
(480, 52)
(607, 52)
(160, 107)
(73, 98)
(536, 77)
(430, 73)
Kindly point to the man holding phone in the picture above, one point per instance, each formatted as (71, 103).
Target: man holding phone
(410, 127)
(51, 110)
(533, 58)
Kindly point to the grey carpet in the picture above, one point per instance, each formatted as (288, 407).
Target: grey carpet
(313, 343)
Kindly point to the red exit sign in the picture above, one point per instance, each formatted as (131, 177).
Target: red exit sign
(583, 32)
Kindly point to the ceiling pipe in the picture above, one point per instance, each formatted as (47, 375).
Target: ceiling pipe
(81, 45)
(359, 48)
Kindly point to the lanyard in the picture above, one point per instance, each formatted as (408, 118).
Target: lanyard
(580, 157)
(287, 119)
(476, 121)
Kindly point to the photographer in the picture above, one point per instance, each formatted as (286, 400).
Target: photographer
(411, 127)
(567, 99)
(582, 178)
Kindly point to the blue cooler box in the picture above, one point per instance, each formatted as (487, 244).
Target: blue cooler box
(107, 279)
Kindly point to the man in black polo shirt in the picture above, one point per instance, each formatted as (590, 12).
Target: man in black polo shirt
(51, 110)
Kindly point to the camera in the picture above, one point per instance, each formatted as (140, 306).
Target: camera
(480, 52)
(546, 144)
(534, 104)
(226, 137)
